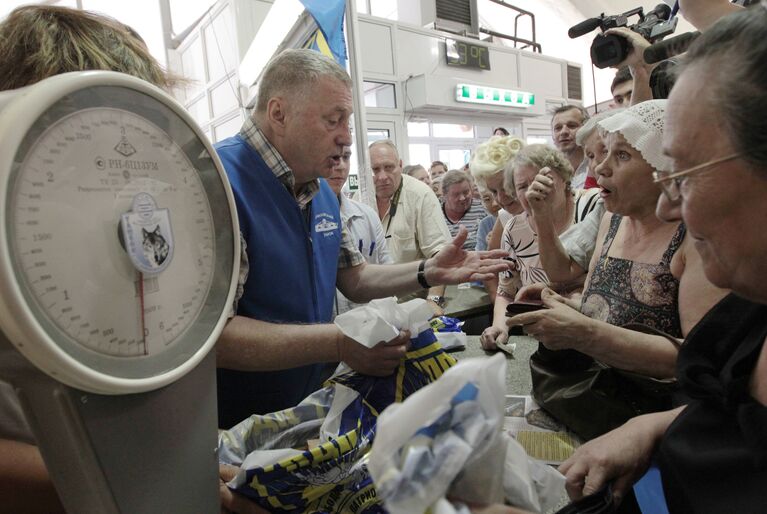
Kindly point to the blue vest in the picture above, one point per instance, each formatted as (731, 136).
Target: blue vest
(293, 260)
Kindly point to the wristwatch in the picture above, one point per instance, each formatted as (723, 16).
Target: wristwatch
(439, 300)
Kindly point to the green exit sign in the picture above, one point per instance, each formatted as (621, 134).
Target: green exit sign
(470, 93)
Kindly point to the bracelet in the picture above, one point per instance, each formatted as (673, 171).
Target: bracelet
(421, 275)
(439, 300)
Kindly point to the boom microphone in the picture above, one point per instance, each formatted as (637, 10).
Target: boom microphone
(584, 27)
(670, 47)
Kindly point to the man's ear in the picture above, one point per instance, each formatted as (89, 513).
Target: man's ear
(276, 114)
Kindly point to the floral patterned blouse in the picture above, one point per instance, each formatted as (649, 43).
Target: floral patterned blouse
(622, 291)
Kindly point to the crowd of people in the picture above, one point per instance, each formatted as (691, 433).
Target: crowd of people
(647, 214)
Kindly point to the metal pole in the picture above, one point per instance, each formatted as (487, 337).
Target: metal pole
(367, 191)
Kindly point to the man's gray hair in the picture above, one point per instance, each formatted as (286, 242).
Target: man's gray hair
(569, 107)
(295, 72)
(452, 178)
(412, 168)
(733, 52)
(385, 142)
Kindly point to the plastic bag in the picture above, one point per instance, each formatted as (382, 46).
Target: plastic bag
(449, 333)
(279, 472)
(446, 441)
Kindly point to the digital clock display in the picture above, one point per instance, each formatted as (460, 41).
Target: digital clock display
(467, 55)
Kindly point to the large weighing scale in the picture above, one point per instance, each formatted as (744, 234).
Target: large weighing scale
(119, 253)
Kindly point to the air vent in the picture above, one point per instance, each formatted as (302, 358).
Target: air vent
(454, 16)
(458, 11)
(574, 87)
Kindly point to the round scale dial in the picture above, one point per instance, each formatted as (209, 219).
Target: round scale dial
(120, 231)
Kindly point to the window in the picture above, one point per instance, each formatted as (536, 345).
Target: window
(418, 129)
(228, 128)
(454, 158)
(219, 45)
(184, 13)
(379, 94)
(377, 135)
(452, 130)
(420, 154)
(223, 97)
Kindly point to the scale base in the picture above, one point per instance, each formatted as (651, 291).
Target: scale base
(140, 453)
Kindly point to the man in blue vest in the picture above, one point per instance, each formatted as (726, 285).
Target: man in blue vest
(271, 354)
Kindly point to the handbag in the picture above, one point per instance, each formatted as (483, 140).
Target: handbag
(601, 502)
(591, 398)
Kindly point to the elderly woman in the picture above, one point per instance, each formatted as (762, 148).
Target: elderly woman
(593, 146)
(643, 270)
(712, 453)
(566, 256)
(458, 206)
(487, 165)
(418, 172)
(520, 234)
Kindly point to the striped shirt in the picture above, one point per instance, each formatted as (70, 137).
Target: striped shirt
(470, 220)
(349, 255)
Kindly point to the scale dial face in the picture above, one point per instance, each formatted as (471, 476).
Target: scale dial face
(104, 173)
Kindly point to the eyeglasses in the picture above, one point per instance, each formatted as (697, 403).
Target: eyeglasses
(671, 182)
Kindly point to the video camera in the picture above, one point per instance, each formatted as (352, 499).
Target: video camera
(609, 50)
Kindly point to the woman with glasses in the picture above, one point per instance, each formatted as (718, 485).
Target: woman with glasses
(711, 453)
(643, 271)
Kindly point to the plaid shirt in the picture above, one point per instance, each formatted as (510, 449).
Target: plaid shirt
(349, 255)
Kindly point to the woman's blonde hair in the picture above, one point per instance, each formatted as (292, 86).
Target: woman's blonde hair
(491, 156)
(37, 42)
(538, 156)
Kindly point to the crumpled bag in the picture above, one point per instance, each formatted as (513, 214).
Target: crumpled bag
(446, 440)
(449, 333)
(280, 473)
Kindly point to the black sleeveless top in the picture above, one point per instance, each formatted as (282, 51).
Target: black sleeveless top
(622, 291)
(713, 457)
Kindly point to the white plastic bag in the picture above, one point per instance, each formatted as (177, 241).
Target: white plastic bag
(449, 428)
(446, 440)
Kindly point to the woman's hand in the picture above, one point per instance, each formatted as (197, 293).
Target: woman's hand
(492, 336)
(530, 293)
(621, 456)
(540, 194)
(560, 326)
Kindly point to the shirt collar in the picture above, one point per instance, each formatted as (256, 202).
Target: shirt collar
(256, 139)
(349, 209)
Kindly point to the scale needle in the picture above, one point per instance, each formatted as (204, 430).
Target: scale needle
(141, 303)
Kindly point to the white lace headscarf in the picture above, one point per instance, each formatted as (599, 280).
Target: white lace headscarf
(642, 127)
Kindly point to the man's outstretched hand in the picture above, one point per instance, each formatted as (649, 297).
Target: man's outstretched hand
(454, 265)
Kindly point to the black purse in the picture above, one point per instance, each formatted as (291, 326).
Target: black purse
(601, 502)
(591, 398)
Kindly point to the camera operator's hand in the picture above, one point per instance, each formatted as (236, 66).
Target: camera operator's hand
(640, 70)
(635, 57)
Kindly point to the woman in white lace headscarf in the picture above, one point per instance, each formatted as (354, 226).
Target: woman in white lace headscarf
(643, 270)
